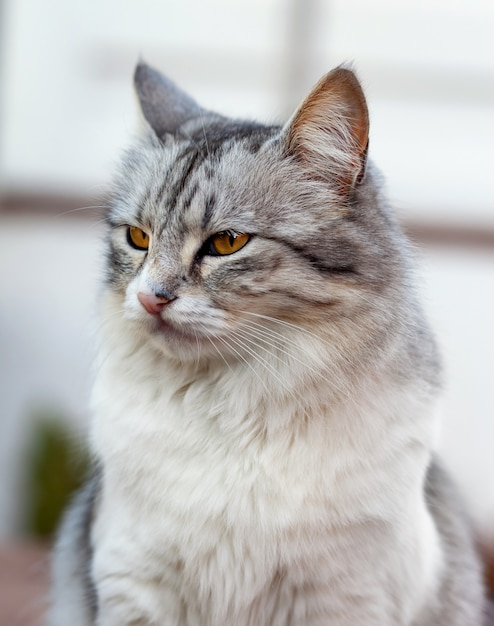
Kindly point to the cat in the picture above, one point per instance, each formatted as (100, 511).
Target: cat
(264, 412)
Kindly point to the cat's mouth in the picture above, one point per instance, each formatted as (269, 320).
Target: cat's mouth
(188, 335)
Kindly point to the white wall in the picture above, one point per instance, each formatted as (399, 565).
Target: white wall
(459, 297)
(428, 67)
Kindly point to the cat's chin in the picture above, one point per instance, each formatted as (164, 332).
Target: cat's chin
(181, 344)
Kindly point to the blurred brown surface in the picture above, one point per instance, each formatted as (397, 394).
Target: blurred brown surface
(24, 582)
(489, 570)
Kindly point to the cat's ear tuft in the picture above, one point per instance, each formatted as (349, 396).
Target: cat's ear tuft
(329, 133)
(164, 105)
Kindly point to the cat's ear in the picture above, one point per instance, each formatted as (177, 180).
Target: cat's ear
(329, 133)
(164, 105)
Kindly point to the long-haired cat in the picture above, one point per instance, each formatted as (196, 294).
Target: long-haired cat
(264, 410)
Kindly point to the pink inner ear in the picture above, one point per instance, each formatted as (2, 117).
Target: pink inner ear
(330, 130)
(358, 114)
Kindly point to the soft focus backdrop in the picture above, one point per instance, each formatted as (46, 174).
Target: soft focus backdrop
(67, 110)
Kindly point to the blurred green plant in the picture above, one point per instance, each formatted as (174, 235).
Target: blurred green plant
(57, 464)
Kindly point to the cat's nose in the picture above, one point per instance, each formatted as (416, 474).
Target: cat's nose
(153, 302)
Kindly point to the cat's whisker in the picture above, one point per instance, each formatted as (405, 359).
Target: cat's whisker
(277, 338)
(275, 320)
(264, 362)
(84, 208)
(264, 328)
(215, 347)
(247, 362)
(255, 334)
(266, 332)
(319, 340)
(100, 221)
(268, 367)
(199, 350)
(220, 354)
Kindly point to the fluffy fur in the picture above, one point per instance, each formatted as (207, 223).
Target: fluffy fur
(264, 440)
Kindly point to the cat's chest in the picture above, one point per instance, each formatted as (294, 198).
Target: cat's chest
(207, 455)
(173, 459)
(194, 487)
(210, 451)
(180, 486)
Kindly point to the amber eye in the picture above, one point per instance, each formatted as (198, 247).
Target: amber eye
(137, 238)
(227, 242)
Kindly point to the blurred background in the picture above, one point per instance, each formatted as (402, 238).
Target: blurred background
(67, 110)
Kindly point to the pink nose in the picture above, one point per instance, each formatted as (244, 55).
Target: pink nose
(152, 303)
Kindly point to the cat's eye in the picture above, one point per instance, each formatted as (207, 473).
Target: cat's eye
(137, 238)
(227, 242)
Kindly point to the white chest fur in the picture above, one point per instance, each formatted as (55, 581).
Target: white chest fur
(221, 509)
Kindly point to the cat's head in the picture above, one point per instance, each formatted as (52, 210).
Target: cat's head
(227, 238)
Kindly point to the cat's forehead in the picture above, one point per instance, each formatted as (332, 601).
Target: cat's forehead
(205, 180)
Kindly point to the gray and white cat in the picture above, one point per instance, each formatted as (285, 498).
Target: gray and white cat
(264, 409)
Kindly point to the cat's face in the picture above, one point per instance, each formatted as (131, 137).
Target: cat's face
(221, 230)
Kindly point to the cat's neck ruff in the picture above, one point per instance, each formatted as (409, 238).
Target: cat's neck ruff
(297, 377)
(228, 413)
